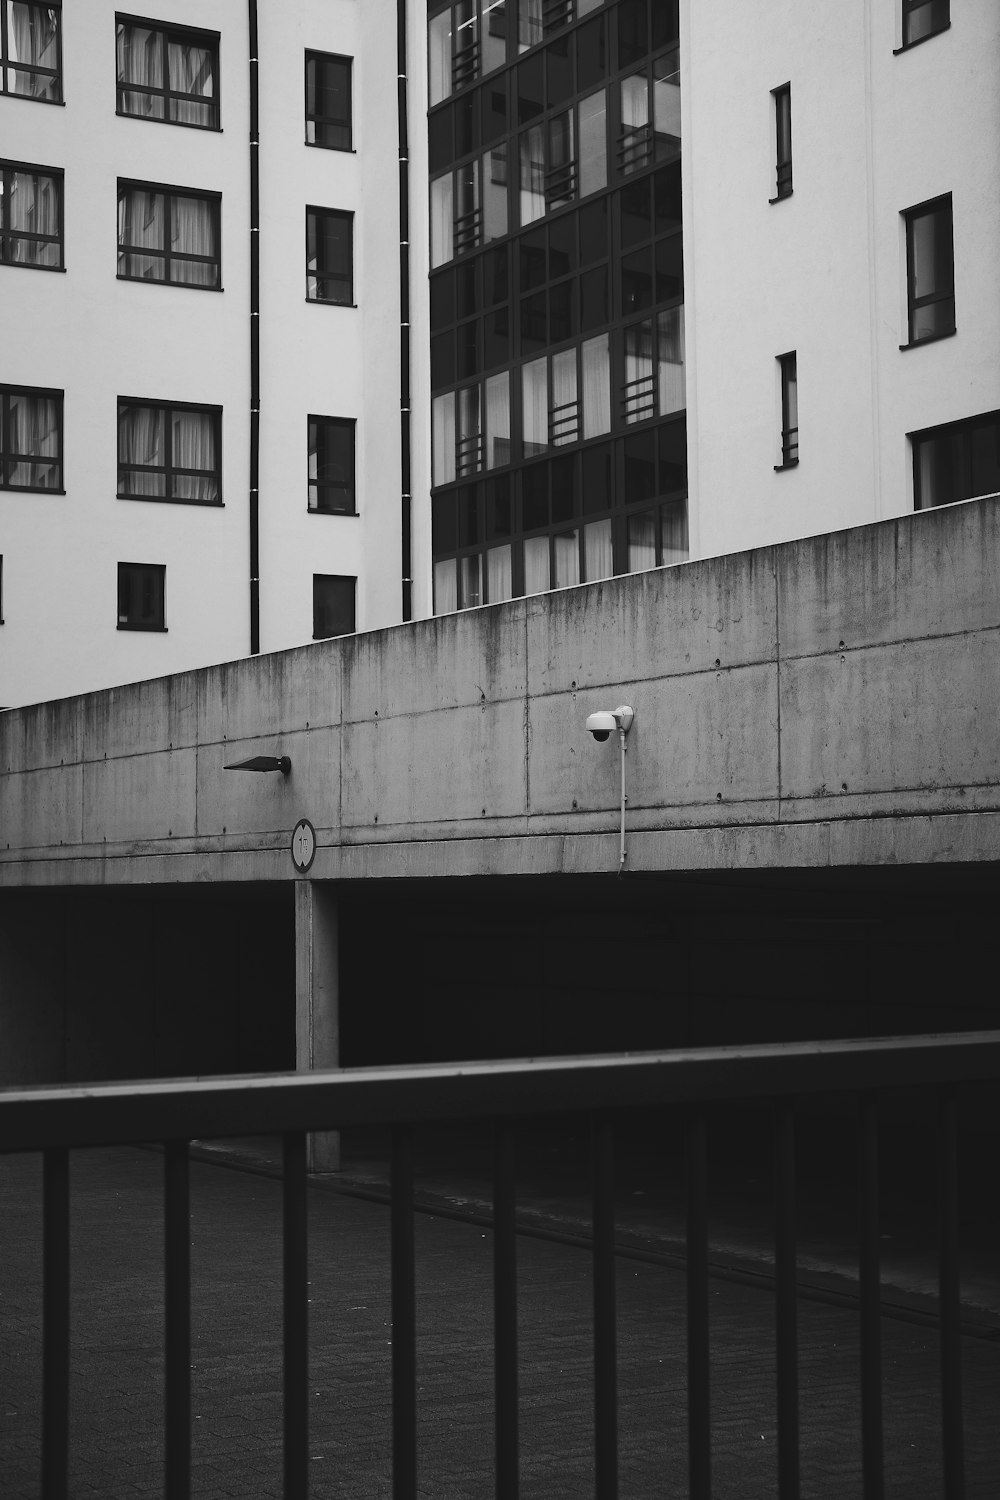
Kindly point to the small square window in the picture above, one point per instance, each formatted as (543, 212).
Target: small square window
(31, 50)
(333, 605)
(331, 466)
(167, 74)
(329, 256)
(168, 235)
(30, 439)
(328, 101)
(31, 216)
(169, 452)
(141, 588)
(930, 271)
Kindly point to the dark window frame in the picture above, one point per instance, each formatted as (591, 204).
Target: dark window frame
(331, 122)
(940, 295)
(909, 10)
(8, 236)
(171, 257)
(8, 457)
(55, 73)
(156, 573)
(169, 469)
(959, 433)
(318, 578)
(788, 368)
(324, 274)
(169, 33)
(782, 142)
(350, 487)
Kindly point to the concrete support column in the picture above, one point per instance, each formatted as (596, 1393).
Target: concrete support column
(317, 999)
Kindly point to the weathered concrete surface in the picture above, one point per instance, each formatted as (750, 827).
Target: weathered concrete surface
(833, 701)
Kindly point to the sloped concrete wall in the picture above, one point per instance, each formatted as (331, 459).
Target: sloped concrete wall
(832, 701)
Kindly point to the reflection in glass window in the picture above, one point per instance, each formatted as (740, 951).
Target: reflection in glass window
(442, 220)
(529, 23)
(443, 423)
(565, 414)
(532, 148)
(640, 388)
(593, 143)
(498, 420)
(536, 564)
(470, 570)
(495, 193)
(469, 445)
(566, 550)
(634, 146)
(667, 106)
(535, 399)
(642, 541)
(596, 386)
(670, 348)
(499, 579)
(446, 587)
(598, 561)
(439, 56)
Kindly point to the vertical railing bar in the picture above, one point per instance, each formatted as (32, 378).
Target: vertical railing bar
(870, 1297)
(786, 1300)
(505, 1311)
(404, 1320)
(296, 1317)
(699, 1415)
(177, 1316)
(605, 1353)
(55, 1323)
(951, 1352)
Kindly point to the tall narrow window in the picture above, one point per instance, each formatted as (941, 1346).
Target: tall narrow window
(141, 596)
(168, 74)
(930, 271)
(30, 439)
(30, 50)
(331, 466)
(328, 101)
(169, 453)
(333, 605)
(924, 18)
(789, 410)
(329, 256)
(783, 142)
(167, 234)
(31, 216)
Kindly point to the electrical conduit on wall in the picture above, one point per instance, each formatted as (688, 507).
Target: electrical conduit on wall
(404, 311)
(254, 338)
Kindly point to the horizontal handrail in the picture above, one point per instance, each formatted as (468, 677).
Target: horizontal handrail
(37, 1118)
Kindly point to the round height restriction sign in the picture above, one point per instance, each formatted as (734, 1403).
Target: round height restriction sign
(303, 845)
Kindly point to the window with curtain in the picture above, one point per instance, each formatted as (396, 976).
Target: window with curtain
(535, 407)
(529, 23)
(593, 143)
(31, 50)
(446, 587)
(443, 438)
(30, 438)
(331, 465)
(667, 106)
(169, 236)
(498, 420)
(930, 270)
(329, 256)
(168, 74)
(670, 354)
(499, 578)
(31, 216)
(598, 558)
(532, 154)
(959, 461)
(142, 596)
(596, 365)
(442, 219)
(169, 452)
(334, 596)
(328, 101)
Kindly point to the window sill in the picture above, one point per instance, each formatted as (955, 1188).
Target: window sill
(124, 114)
(27, 489)
(347, 515)
(909, 46)
(325, 302)
(175, 286)
(932, 338)
(792, 463)
(144, 629)
(26, 265)
(170, 500)
(780, 198)
(344, 150)
(29, 99)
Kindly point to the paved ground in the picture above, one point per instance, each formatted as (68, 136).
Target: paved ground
(117, 1343)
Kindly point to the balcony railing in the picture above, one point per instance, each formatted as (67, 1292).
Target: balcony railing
(51, 1120)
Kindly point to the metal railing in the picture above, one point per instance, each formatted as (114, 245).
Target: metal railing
(51, 1120)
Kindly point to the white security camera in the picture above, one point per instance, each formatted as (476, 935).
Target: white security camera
(603, 724)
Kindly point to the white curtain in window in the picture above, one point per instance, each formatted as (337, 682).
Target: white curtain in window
(670, 351)
(442, 220)
(642, 542)
(498, 574)
(567, 559)
(535, 407)
(529, 29)
(191, 72)
(635, 102)
(597, 555)
(495, 193)
(34, 433)
(593, 143)
(494, 34)
(33, 209)
(140, 441)
(192, 232)
(596, 386)
(532, 149)
(32, 39)
(140, 67)
(536, 564)
(194, 448)
(565, 407)
(446, 587)
(439, 55)
(674, 520)
(667, 105)
(444, 438)
(141, 219)
(470, 569)
(498, 420)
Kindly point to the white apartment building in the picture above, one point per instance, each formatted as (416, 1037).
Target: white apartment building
(656, 279)
(136, 537)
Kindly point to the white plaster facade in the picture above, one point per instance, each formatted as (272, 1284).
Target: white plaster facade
(96, 338)
(875, 131)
